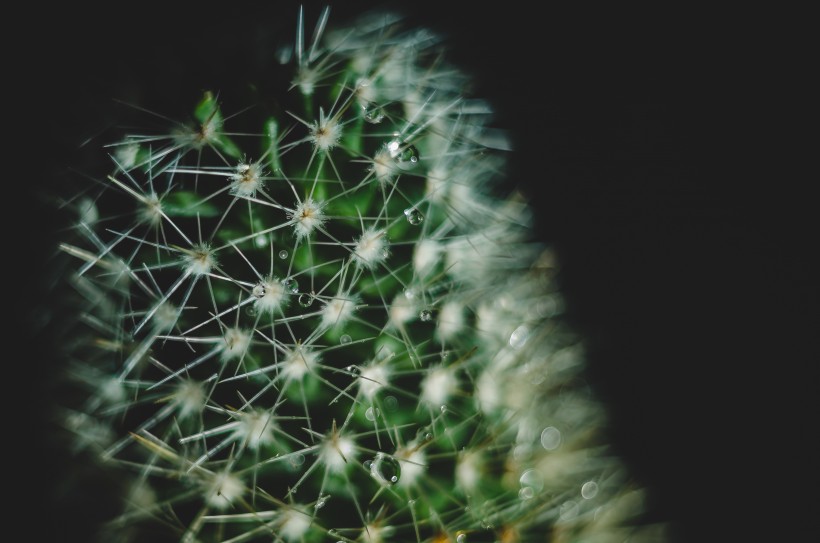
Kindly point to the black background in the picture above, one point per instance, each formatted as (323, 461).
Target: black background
(645, 141)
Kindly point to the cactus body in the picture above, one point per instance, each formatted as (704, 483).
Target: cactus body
(333, 328)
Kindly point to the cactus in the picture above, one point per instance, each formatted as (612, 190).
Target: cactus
(328, 325)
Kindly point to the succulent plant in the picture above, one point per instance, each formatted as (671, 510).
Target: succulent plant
(330, 323)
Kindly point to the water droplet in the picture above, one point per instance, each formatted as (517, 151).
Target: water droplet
(405, 154)
(372, 113)
(445, 355)
(589, 490)
(260, 241)
(367, 464)
(532, 479)
(425, 315)
(371, 413)
(550, 438)
(353, 370)
(321, 501)
(250, 311)
(409, 293)
(291, 284)
(391, 403)
(345, 339)
(411, 503)
(305, 300)
(526, 493)
(283, 254)
(519, 337)
(486, 524)
(443, 408)
(259, 291)
(413, 216)
(461, 538)
(409, 154)
(423, 435)
(297, 460)
(385, 469)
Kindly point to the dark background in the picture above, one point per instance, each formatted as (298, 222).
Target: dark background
(644, 139)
